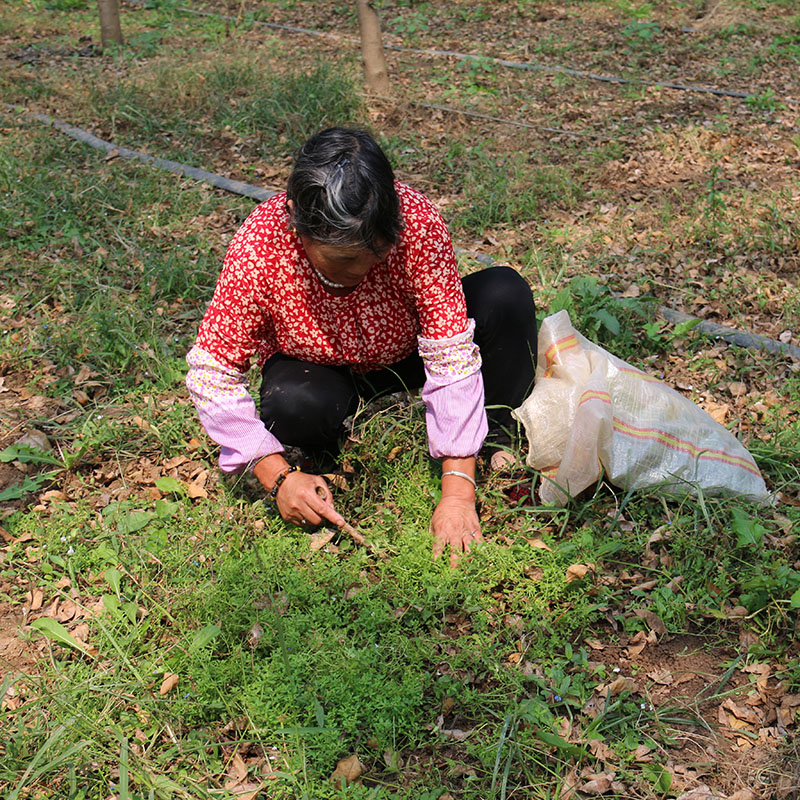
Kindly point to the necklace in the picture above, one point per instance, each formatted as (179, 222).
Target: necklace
(325, 282)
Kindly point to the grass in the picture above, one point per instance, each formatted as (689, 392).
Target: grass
(480, 682)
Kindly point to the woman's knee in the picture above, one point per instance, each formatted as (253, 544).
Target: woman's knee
(498, 291)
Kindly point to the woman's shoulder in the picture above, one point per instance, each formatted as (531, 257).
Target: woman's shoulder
(421, 218)
(267, 222)
(414, 202)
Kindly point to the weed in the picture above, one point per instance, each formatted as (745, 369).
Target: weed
(765, 101)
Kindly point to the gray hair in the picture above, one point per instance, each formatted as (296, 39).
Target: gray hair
(342, 190)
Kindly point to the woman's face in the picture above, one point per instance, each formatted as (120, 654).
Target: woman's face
(343, 264)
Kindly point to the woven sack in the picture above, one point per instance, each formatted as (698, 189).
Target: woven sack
(591, 414)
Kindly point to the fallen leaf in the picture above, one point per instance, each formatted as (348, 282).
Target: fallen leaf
(701, 792)
(576, 572)
(737, 388)
(601, 751)
(539, 545)
(35, 598)
(195, 491)
(596, 785)
(246, 791)
(745, 714)
(662, 677)
(634, 650)
(653, 620)
(394, 452)
(743, 794)
(643, 754)
(339, 481)
(621, 685)
(454, 733)
(718, 411)
(237, 771)
(348, 770)
(168, 684)
(318, 540)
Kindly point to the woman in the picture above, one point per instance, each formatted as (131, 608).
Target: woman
(346, 287)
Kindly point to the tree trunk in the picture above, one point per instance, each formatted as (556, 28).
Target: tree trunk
(375, 71)
(110, 29)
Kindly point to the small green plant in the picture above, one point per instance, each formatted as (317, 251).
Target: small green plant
(412, 23)
(599, 314)
(765, 101)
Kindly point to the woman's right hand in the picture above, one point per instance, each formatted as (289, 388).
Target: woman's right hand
(305, 499)
(302, 498)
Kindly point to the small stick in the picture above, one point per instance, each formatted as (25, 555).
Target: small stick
(357, 537)
(354, 534)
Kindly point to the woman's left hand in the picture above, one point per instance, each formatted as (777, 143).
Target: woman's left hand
(455, 525)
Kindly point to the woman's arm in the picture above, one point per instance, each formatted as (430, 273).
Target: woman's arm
(457, 426)
(227, 411)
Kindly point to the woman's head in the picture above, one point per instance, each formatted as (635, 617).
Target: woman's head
(341, 191)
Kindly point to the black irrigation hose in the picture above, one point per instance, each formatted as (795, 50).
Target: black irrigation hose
(502, 62)
(237, 187)
(715, 331)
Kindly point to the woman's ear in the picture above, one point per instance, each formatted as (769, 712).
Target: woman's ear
(290, 207)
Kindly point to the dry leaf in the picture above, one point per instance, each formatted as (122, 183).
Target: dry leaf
(246, 791)
(567, 789)
(454, 733)
(701, 792)
(634, 650)
(35, 598)
(394, 452)
(348, 770)
(643, 754)
(621, 685)
(339, 481)
(576, 572)
(596, 785)
(718, 411)
(168, 684)
(196, 491)
(745, 714)
(142, 423)
(653, 621)
(601, 751)
(539, 544)
(737, 388)
(237, 771)
(318, 540)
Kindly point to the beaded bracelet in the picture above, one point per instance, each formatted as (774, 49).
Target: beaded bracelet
(273, 492)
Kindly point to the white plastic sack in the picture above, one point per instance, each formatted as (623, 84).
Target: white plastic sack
(592, 414)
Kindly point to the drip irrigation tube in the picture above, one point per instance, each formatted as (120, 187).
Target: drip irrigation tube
(501, 62)
(80, 135)
(712, 329)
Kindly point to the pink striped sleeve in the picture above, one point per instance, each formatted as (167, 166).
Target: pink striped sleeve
(228, 412)
(453, 395)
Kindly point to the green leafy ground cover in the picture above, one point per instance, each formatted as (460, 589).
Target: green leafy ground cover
(163, 634)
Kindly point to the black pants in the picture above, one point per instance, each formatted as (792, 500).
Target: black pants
(304, 404)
